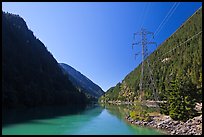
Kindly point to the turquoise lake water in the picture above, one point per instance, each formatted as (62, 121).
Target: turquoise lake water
(69, 121)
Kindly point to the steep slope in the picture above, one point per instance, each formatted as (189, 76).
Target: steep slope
(31, 75)
(82, 82)
(180, 55)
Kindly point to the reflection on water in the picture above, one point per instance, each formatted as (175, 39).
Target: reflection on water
(121, 111)
(12, 116)
(69, 120)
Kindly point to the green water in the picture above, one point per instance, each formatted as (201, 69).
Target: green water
(70, 121)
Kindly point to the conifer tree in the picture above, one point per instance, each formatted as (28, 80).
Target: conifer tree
(180, 99)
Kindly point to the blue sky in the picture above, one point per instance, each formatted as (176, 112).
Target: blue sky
(96, 38)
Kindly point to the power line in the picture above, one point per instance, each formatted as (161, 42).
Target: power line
(183, 24)
(142, 15)
(144, 53)
(164, 21)
(152, 81)
(145, 15)
(144, 43)
(152, 84)
(159, 58)
(167, 18)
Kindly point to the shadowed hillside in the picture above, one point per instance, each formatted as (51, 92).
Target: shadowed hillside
(31, 75)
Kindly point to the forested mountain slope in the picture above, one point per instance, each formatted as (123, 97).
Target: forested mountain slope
(178, 56)
(31, 75)
(82, 82)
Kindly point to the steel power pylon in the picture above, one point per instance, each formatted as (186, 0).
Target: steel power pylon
(143, 33)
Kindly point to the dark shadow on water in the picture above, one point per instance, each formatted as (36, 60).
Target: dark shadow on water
(20, 115)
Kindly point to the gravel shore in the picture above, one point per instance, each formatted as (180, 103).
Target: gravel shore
(172, 127)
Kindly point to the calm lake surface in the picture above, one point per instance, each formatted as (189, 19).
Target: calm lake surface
(70, 121)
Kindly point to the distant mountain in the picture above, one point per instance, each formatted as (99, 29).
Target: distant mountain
(82, 82)
(31, 75)
(178, 56)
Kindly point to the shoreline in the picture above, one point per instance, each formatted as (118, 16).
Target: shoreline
(165, 123)
(171, 127)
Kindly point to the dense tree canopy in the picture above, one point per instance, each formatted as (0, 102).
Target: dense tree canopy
(179, 55)
(180, 96)
(31, 75)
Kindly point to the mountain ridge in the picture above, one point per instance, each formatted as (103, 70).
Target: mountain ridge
(81, 81)
(185, 61)
(30, 74)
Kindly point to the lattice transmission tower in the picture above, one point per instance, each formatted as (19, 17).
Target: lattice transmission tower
(144, 43)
